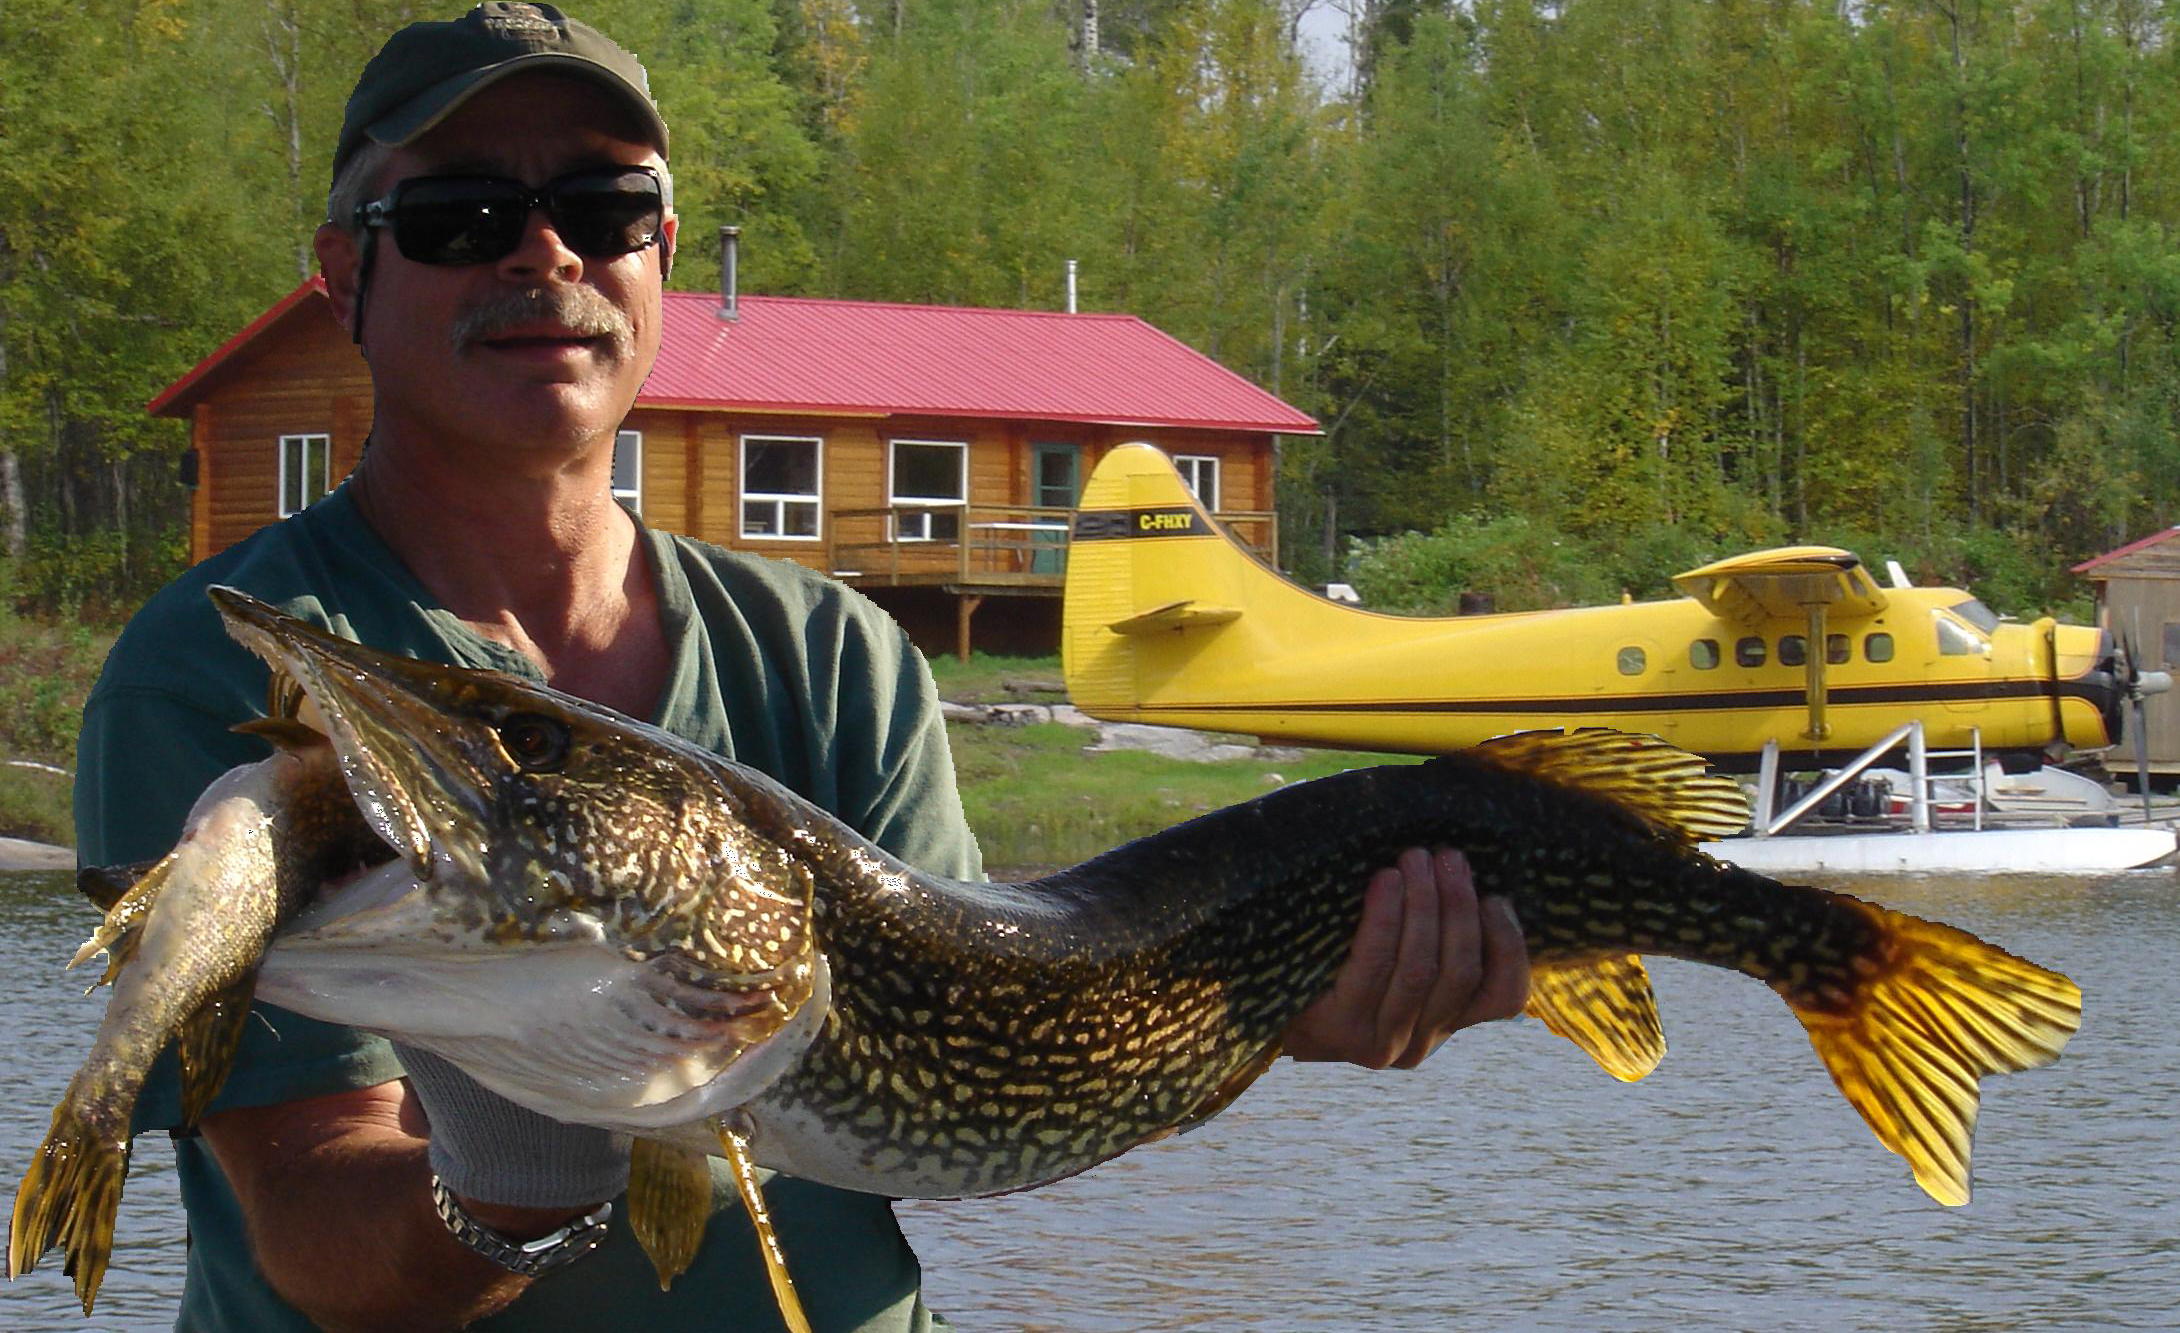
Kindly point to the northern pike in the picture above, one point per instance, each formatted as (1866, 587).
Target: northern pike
(612, 926)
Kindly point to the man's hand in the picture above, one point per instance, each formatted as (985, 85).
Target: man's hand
(1429, 959)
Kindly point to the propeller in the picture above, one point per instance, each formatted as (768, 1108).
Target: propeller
(2139, 685)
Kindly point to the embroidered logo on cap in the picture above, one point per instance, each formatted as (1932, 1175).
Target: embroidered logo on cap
(519, 21)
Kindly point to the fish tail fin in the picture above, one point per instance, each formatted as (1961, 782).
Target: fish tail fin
(1606, 1007)
(69, 1198)
(1932, 1012)
(207, 1043)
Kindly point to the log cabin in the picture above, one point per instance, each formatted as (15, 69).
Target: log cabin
(929, 456)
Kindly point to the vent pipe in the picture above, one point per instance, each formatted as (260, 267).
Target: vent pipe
(1071, 285)
(730, 247)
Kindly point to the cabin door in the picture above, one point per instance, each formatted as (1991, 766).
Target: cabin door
(1055, 483)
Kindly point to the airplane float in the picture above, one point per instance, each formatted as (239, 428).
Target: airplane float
(1168, 620)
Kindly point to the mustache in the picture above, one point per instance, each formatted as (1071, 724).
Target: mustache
(583, 311)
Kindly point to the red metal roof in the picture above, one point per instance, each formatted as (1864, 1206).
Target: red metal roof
(2129, 549)
(866, 358)
(798, 354)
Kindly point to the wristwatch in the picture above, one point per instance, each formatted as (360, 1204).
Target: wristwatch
(527, 1257)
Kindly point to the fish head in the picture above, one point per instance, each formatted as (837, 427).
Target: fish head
(523, 814)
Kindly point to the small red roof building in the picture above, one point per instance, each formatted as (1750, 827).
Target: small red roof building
(927, 454)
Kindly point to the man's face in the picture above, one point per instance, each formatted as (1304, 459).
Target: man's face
(526, 355)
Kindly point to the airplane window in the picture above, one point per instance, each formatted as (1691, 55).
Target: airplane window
(1877, 647)
(1793, 650)
(1632, 661)
(1703, 654)
(1955, 640)
(1835, 648)
(2172, 644)
(1977, 614)
(1748, 652)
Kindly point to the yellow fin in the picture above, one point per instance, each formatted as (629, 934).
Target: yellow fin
(1662, 784)
(285, 733)
(1606, 1007)
(669, 1201)
(735, 1147)
(207, 1043)
(69, 1197)
(117, 935)
(1908, 1046)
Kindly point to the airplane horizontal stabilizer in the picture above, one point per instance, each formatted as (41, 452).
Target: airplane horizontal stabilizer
(1176, 616)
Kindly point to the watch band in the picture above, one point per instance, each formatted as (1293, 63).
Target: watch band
(527, 1257)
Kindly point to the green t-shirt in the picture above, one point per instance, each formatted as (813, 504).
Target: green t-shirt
(773, 666)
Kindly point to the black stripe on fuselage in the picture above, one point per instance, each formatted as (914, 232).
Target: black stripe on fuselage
(1939, 692)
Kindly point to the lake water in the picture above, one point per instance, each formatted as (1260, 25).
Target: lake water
(1506, 1184)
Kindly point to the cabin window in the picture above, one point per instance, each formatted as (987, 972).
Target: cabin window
(1956, 639)
(1748, 652)
(628, 469)
(1877, 647)
(1632, 661)
(2172, 643)
(1793, 650)
(306, 464)
(933, 475)
(1201, 473)
(1703, 654)
(1835, 648)
(780, 479)
(1976, 613)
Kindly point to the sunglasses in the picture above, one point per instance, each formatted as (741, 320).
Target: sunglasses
(599, 213)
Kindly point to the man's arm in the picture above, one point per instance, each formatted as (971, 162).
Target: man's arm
(337, 1196)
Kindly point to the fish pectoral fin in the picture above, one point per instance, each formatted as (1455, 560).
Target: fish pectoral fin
(108, 885)
(734, 1146)
(669, 1202)
(206, 1045)
(1912, 1040)
(1236, 1084)
(1606, 1007)
(1664, 785)
(125, 894)
(69, 1197)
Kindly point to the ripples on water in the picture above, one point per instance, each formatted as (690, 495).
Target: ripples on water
(1508, 1183)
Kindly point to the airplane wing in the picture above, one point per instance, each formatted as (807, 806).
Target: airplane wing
(1784, 583)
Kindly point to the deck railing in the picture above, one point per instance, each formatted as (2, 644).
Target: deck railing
(989, 544)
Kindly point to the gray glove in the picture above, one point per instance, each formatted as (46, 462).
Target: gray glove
(489, 1149)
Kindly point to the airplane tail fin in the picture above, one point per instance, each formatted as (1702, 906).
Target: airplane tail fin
(1147, 571)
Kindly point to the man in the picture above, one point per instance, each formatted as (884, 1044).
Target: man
(335, 1184)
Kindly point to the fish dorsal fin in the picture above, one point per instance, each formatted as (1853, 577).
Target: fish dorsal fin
(1661, 784)
(1605, 1006)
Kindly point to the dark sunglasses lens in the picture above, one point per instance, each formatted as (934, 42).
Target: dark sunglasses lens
(458, 221)
(607, 213)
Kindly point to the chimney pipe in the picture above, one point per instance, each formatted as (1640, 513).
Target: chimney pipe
(730, 246)
(1070, 286)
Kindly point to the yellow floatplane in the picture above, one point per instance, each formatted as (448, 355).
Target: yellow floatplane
(1796, 650)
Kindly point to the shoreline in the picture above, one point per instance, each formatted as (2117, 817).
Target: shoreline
(24, 854)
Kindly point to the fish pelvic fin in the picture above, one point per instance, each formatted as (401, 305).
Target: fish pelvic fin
(734, 1146)
(207, 1043)
(1909, 1045)
(669, 1201)
(69, 1197)
(1606, 1007)
(1662, 784)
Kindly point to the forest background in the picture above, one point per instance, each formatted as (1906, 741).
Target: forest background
(1584, 293)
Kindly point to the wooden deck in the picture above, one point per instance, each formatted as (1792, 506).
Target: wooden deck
(976, 552)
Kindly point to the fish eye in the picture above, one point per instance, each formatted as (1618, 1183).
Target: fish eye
(536, 742)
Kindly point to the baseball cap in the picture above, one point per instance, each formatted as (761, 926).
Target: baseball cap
(426, 70)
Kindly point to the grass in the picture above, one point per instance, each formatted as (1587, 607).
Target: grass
(985, 679)
(1036, 800)
(46, 672)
